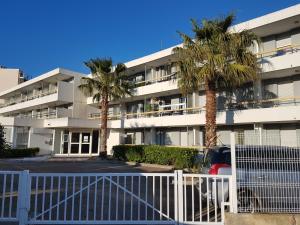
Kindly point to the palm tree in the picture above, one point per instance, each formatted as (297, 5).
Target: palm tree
(216, 58)
(107, 82)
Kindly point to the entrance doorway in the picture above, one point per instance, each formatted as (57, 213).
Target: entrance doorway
(80, 143)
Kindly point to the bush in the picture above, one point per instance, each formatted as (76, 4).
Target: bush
(15, 153)
(179, 157)
(2, 139)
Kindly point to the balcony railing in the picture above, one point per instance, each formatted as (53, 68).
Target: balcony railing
(180, 109)
(58, 113)
(158, 113)
(160, 79)
(28, 98)
(289, 49)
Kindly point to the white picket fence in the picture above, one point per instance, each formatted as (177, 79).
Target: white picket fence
(114, 198)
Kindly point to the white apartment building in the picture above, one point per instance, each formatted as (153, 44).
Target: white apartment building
(51, 113)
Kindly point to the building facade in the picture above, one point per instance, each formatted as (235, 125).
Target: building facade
(51, 113)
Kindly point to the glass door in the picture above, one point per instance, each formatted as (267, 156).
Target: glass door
(65, 142)
(85, 143)
(75, 143)
(95, 142)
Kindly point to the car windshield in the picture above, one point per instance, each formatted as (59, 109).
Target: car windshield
(220, 156)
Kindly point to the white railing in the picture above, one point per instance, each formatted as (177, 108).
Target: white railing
(54, 113)
(172, 106)
(28, 98)
(205, 198)
(114, 198)
(177, 109)
(159, 79)
(288, 49)
(9, 189)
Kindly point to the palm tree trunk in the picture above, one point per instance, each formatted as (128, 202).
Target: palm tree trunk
(211, 111)
(103, 127)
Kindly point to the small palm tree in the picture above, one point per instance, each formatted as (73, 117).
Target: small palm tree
(215, 58)
(107, 82)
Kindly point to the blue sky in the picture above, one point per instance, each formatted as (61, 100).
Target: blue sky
(38, 36)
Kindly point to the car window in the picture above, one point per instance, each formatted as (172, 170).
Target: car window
(220, 157)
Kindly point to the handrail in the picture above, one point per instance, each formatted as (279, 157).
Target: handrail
(148, 113)
(260, 54)
(275, 100)
(156, 79)
(269, 100)
(28, 98)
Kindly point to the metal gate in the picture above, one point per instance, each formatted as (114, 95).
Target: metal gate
(114, 198)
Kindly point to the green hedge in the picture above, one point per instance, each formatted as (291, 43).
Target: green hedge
(179, 157)
(15, 153)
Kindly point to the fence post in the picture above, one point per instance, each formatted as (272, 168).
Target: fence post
(180, 200)
(23, 197)
(233, 183)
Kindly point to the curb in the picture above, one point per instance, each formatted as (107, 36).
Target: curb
(150, 165)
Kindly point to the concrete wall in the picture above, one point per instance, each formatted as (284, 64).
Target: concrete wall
(11, 78)
(261, 219)
(114, 138)
(57, 141)
(41, 138)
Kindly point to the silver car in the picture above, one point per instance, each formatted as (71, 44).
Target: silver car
(268, 177)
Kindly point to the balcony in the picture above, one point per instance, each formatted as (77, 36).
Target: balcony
(25, 98)
(268, 110)
(279, 59)
(167, 77)
(62, 94)
(50, 114)
(163, 84)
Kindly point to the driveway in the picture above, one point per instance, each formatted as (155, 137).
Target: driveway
(78, 166)
(74, 166)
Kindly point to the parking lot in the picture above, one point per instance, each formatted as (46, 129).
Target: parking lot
(77, 166)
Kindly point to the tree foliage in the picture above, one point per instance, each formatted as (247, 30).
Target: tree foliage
(107, 83)
(215, 58)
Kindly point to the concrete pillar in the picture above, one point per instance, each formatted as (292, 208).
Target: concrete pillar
(201, 138)
(153, 135)
(114, 138)
(258, 127)
(14, 137)
(29, 137)
(153, 74)
(257, 88)
(195, 99)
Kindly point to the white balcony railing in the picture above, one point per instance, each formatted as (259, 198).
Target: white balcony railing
(159, 79)
(180, 109)
(51, 114)
(289, 49)
(28, 98)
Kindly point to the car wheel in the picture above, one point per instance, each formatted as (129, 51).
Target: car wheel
(247, 202)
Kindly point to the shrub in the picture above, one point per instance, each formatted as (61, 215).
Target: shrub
(179, 157)
(2, 139)
(15, 153)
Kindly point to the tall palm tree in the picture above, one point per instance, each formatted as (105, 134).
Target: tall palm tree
(216, 58)
(107, 82)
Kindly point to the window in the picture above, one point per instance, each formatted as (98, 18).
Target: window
(75, 137)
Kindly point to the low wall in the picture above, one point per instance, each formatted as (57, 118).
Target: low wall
(261, 219)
